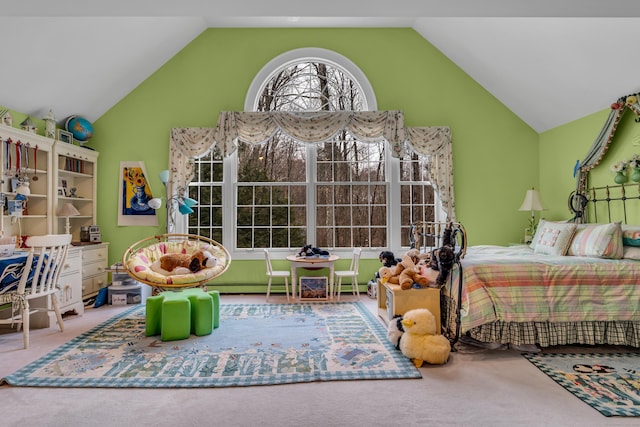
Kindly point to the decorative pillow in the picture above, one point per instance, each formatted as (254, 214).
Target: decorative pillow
(553, 238)
(597, 240)
(536, 236)
(631, 252)
(631, 235)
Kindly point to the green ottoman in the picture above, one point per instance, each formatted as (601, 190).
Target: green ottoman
(205, 310)
(176, 315)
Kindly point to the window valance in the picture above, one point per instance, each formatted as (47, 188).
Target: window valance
(313, 127)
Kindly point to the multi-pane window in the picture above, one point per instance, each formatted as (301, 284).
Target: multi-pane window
(417, 198)
(335, 194)
(206, 188)
(271, 195)
(351, 194)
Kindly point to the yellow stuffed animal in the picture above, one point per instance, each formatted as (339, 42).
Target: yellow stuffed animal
(420, 343)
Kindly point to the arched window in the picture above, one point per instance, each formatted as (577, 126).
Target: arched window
(336, 194)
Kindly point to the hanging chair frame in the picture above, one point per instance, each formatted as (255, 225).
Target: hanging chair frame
(176, 238)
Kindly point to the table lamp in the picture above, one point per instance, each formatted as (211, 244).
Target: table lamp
(531, 203)
(66, 211)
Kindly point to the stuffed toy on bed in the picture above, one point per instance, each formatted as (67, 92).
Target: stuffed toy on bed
(175, 264)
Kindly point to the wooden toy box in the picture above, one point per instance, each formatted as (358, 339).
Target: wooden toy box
(392, 300)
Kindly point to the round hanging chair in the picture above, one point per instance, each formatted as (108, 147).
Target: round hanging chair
(139, 258)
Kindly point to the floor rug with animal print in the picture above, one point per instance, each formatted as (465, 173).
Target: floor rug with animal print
(610, 383)
(256, 344)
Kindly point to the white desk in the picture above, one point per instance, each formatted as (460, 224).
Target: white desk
(311, 264)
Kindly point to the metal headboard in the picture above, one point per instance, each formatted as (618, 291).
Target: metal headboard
(428, 237)
(607, 204)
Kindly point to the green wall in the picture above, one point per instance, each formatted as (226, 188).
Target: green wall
(561, 147)
(495, 153)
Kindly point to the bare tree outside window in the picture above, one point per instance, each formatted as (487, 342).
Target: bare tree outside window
(332, 194)
(349, 183)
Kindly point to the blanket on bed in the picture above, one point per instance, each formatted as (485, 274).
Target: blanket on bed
(512, 284)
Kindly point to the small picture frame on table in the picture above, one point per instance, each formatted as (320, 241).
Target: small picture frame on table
(62, 191)
(65, 136)
(313, 288)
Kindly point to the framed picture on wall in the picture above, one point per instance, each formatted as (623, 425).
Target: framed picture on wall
(313, 289)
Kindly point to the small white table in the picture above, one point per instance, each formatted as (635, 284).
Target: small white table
(311, 264)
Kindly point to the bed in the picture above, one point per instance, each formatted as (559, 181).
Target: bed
(536, 295)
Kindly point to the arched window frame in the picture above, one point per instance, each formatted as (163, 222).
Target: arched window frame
(392, 163)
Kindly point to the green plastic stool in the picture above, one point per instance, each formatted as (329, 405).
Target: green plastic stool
(205, 310)
(176, 315)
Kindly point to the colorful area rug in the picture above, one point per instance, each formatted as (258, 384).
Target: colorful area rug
(609, 383)
(256, 344)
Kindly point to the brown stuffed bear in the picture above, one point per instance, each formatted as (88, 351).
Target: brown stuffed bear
(411, 274)
(192, 263)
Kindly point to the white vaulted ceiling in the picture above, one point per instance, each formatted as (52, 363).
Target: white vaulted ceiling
(549, 61)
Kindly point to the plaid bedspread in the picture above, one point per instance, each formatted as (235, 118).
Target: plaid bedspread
(515, 285)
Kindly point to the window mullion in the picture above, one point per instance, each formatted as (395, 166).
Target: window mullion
(312, 157)
(230, 192)
(394, 221)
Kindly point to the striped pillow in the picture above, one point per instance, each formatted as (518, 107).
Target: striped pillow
(631, 235)
(597, 240)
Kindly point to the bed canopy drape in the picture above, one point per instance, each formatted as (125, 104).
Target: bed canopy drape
(312, 127)
(600, 146)
(602, 141)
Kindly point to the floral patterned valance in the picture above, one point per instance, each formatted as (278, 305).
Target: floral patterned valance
(313, 127)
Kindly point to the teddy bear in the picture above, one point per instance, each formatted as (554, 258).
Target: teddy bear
(411, 274)
(175, 264)
(443, 258)
(420, 341)
(388, 275)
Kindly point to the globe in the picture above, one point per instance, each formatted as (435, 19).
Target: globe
(81, 128)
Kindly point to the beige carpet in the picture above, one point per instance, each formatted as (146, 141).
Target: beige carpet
(476, 388)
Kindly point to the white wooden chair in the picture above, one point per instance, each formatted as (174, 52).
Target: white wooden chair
(45, 262)
(351, 272)
(276, 273)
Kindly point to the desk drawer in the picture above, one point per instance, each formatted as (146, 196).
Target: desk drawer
(93, 269)
(94, 284)
(91, 255)
(72, 264)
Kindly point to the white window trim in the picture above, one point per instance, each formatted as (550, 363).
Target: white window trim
(309, 54)
(230, 163)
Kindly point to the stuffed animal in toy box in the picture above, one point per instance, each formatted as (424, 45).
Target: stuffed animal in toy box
(408, 272)
(388, 275)
(443, 258)
(420, 342)
(411, 274)
(175, 264)
(388, 259)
